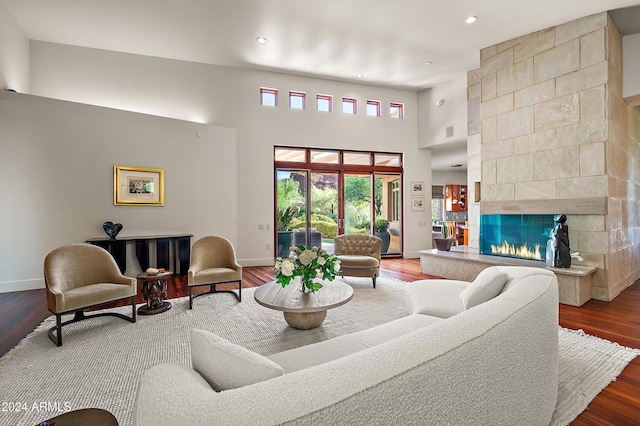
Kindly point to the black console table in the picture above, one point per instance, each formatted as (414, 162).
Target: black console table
(181, 249)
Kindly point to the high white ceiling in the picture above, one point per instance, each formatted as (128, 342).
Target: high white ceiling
(388, 42)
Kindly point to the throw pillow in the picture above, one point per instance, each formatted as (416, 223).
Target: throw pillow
(225, 365)
(487, 285)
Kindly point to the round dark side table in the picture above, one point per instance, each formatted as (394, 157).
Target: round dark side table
(83, 417)
(154, 291)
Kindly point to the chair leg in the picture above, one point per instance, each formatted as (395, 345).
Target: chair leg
(59, 329)
(57, 337)
(134, 313)
(374, 280)
(79, 315)
(213, 290)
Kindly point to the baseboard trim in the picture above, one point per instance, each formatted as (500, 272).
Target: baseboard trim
(411, 255)
(257, 262)
(270, 262)
(23, 285)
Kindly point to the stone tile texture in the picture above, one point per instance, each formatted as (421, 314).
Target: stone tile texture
(553, 125)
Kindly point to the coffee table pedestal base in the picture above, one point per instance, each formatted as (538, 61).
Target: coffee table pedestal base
(305, 320)
(303, 311)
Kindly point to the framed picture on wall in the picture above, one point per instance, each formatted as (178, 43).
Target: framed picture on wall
(417, 188)
(138, 186)
(417, 204)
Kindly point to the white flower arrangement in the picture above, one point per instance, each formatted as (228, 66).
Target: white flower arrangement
(308, 263)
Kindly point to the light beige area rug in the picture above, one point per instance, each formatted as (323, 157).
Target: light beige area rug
(102, 359)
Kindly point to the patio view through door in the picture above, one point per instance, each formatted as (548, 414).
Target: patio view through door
(320, 194)
(325, 215)
(357, 204)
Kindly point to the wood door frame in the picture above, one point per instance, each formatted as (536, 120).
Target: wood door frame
(341, 169)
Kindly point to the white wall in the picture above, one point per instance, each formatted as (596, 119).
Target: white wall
(230, 97)
(434, 119)
(630, 67)
(14, 54)
(56, 178)
(445, 178)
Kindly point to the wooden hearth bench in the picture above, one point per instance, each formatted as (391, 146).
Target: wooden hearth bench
(464, 264)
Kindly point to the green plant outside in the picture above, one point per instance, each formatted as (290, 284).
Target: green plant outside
(289, 194)
(285, 217)
(322, 217)
(358, 231)
(328, 229)
(324, 201)
(381, 225)
(357, 191)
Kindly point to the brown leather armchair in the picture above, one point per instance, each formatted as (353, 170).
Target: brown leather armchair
(359, 255)
(80, 276)
(213, 261)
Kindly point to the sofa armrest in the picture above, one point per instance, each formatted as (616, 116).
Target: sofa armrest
(157, 399)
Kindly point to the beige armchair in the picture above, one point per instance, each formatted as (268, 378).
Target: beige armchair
(359, 255)
(79, 276)
(213, 261)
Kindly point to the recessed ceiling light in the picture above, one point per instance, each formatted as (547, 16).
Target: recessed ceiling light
(261, 40)
(440, 102)
(471, 20)
(428, 63)
(360, 75)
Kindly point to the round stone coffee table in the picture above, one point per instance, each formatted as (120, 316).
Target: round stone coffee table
(303, 311)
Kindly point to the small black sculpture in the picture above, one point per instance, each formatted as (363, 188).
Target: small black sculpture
(558, 249)
(112, 229)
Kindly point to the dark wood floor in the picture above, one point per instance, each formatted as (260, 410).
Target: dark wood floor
(618, 321)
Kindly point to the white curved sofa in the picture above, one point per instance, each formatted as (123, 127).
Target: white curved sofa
(495, 363)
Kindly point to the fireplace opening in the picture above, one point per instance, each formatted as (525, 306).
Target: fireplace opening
(522, 236)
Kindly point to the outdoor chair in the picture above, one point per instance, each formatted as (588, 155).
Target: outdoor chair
(300, 237)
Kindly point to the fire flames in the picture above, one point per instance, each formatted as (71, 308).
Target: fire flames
(523, 252)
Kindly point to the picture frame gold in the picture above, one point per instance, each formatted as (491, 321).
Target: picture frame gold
(138, 186)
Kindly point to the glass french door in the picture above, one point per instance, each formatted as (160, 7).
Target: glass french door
(324, 193)
(310, 211)
(357, 203)
(307, 209)
(324, 214)
(291, 204)
(387, 207)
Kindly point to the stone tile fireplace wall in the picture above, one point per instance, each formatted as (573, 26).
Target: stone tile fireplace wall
(549, 132)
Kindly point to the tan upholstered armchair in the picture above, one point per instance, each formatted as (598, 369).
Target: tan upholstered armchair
(213, 261)
(80, 276)
(359, 255)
